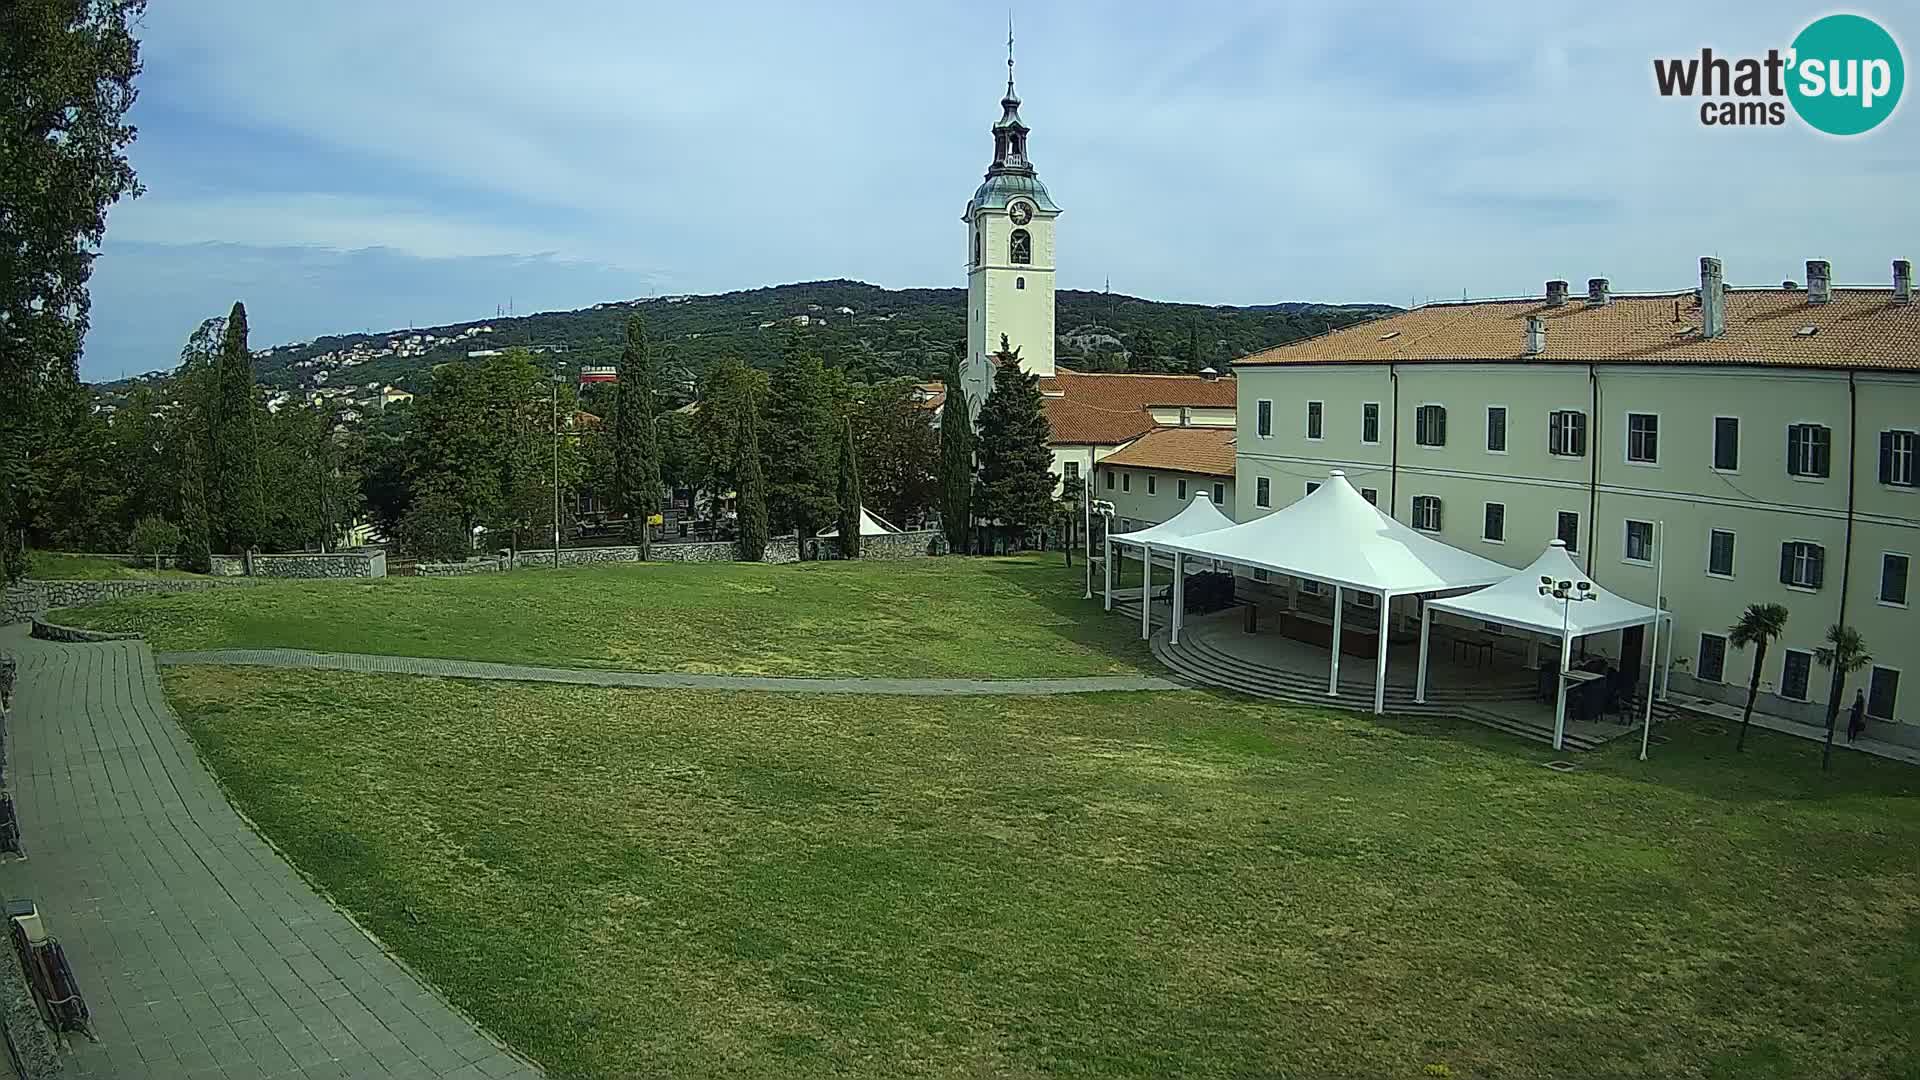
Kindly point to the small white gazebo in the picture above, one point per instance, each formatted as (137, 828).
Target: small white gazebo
(1335, 536)
(870, 525)
(1198, 516)
(1520, 602)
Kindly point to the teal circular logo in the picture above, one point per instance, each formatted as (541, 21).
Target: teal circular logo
(1846, 74)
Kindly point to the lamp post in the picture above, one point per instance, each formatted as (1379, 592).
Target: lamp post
(557, 379)
(1105, 509)
(1568, 593)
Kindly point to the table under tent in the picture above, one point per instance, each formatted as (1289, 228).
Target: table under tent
(1198, 516)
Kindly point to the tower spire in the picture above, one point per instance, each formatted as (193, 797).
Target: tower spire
(1010, 134)
(1010, 54)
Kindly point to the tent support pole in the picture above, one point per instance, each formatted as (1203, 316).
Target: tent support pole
(1106, 574)
(1426, 628)
(1666, 674)
(1333, 669)
(1179, 595)
(1560, 699)
(1380, 668)
(1146, 592)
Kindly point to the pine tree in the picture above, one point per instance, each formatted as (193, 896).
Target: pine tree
(850, 516)
(196, 543)
(801, 433)
(751, 490)
(636, 450)
(1143, 357)
(956, 464)
(238, 508)
(1016, 482)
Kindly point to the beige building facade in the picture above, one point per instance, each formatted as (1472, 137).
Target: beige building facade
(1764, 452)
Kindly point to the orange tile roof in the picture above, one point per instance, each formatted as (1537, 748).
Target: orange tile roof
(1206, 451)
(1858, 328)
(1107, 409)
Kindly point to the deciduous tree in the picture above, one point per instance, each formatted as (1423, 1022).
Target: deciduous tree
(751, 489)
(898, 448)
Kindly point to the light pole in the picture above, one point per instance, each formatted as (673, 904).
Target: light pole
(557, 378)
(1568, 593)
(1105, 509)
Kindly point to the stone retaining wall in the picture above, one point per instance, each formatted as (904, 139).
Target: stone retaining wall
(457, 569)
(20, 601)
(48, 631)
(356, 563)
(705, 551)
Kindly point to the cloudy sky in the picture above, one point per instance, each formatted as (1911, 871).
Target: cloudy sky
(365, 164)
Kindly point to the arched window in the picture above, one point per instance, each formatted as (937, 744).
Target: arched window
(1019, 283)
(976, 247)
(1021, 247)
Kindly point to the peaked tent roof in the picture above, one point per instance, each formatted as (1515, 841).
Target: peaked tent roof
(1336, 536)
(1199, 516)
(869, 526)
(1517, 601)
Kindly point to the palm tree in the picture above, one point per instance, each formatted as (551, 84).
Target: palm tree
(1845, 652)
(1759, 625)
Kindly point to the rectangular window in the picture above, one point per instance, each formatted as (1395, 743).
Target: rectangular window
(1180, 490)
(1430, 425)
(1073, 470)
(1720, 553)
(1149, 483)
(1263, 422)
(1426, 513)
(1900, 458)
(1312, 487)
(1316, 419)
(1497, 429)
(1262, 493)
(1795, 673)
(1370, 422)
(1567, 528)
(1126, 481)
(1219, 494)
(1109, 479)
(1311, 588)
(1802, 565)
(1567, 433)
(1882, 687)
(1639, 546)
(1893, 579)
(1259, 574)
(1726, 443)
(1372, 495)
(1365, 600)
(1809, 449)
(1643, 438)
(1495, 526)
(1712, 664)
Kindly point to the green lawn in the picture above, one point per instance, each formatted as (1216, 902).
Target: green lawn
(627, 883)
(932, 618)
(58, 566)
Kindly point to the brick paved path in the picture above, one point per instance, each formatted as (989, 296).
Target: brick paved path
(473, 669)
(201, 952)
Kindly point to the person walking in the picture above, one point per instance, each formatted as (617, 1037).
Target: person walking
(1857, 716)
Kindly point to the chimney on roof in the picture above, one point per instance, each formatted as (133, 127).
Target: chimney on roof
(1598, 291)
(1536, 335)
(1819, 281)
(1209, 374)
(1790, 285)
(1902, 281)
(1556, 293)
(1713, 298)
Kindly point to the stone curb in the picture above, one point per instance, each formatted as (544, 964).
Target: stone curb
(74, 635)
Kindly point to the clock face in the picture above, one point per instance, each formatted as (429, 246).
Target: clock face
(1021, 213)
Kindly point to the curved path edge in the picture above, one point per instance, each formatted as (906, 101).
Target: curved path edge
(656, 680)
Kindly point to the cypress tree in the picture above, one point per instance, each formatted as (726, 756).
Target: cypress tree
(956, 464)
(636, 448)
(238, 506)
(850, 515)
(196, 543)
(1016, 481)
(750, 489)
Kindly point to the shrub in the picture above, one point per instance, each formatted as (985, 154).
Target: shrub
(155, 536)
(433, 529)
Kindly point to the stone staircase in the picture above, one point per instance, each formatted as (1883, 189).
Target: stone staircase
(1195, 660)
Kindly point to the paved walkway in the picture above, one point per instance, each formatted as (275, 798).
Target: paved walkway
(1816, 732)
(474, 669)
(199, 949)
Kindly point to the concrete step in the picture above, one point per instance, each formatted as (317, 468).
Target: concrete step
(1502, 690)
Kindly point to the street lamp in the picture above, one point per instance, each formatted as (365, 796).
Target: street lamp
(558, 378)
(1568, 593)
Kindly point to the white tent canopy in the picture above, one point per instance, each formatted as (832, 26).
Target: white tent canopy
(1525, 601)
(1198, 516)
(869, 526)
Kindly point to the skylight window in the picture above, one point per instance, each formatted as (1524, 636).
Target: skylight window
(1389, 335)
(1806, 331)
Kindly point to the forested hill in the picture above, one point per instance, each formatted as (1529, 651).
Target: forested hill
(874, 332)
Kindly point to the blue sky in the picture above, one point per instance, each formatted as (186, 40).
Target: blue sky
(368, 165)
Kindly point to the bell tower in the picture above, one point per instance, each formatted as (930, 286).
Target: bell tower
(1009, 224)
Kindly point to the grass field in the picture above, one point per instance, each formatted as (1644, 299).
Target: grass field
(57, 566)
(630, 883)
(933, 618)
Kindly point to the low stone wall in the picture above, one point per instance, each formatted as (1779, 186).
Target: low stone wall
(705, 551)
(905, 545)
(50, 631)
(784, 549)
(20, 601)
(459, 569)
(167, 562)
(356, 563)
